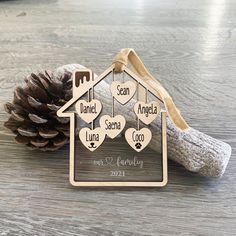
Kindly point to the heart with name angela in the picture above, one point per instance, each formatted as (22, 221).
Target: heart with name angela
(112, 125)
(123, 92)
(147, 112)
(92, 138)
(88, 111)
(138, 139)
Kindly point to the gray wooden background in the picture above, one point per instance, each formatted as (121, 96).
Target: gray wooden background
(190, 46)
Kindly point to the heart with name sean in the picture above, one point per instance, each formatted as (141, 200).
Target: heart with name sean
(112, 125)
(147, 112)
(92, 138)
(138, 139)
(88, 111)
(123, 92)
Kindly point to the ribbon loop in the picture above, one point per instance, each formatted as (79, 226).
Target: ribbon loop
(129, 55)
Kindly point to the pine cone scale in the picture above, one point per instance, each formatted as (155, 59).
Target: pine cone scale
(36, 104)
(48, 133)
(8, 107)
(39, 142)
(22, 139)
(27, 131)
(21, 98)
(17, 117)
(60, 140)
(37, 119)
(37, 91)
(12, 124)
(53, 107)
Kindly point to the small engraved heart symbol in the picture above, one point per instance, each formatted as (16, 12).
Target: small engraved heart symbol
(109, 160)
(138, 139)
(88, 111)
(92, 139)
(112, 125)
(147, 112)
(123, 92)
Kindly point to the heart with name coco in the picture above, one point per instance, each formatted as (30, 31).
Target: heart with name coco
(123, 92)
(112, 125)
(138, 139)
(92, 138)
(88, 111)
(147, 112)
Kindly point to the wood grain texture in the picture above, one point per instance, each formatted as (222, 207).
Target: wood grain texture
(188, 45)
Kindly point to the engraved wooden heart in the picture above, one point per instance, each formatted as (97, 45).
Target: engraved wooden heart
(123, 92)
(138, 139)
(112, 125)
(147, 112)
(88, 111)
(92, 139)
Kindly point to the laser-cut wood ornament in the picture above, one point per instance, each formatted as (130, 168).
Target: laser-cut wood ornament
(147, 112)
(138, 139)
(92, 138)
(123, 92)
(104, 126)
(112, 125)
(88, 111)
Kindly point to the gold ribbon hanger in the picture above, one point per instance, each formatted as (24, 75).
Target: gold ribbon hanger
(128, 55)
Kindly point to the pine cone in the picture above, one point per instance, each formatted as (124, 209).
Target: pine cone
(33, 111)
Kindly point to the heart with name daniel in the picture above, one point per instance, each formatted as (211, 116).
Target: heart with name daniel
(138, 139)
(123, 92)
(147, 112)
(92, 138)
(112, 125)
(88, 111)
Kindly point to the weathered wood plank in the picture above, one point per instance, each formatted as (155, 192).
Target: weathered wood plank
(189, 46)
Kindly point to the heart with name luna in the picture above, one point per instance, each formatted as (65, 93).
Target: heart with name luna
(92, 138)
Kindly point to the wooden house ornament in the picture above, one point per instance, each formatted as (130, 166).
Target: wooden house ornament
(104, 149)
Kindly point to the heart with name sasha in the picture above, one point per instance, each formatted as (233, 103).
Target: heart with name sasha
(138, 139)
(123, 92)
(88, 111)
(92, 138)
(147, 112)
(112, 125)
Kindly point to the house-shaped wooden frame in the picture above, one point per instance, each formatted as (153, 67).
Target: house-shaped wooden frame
(79, 89)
